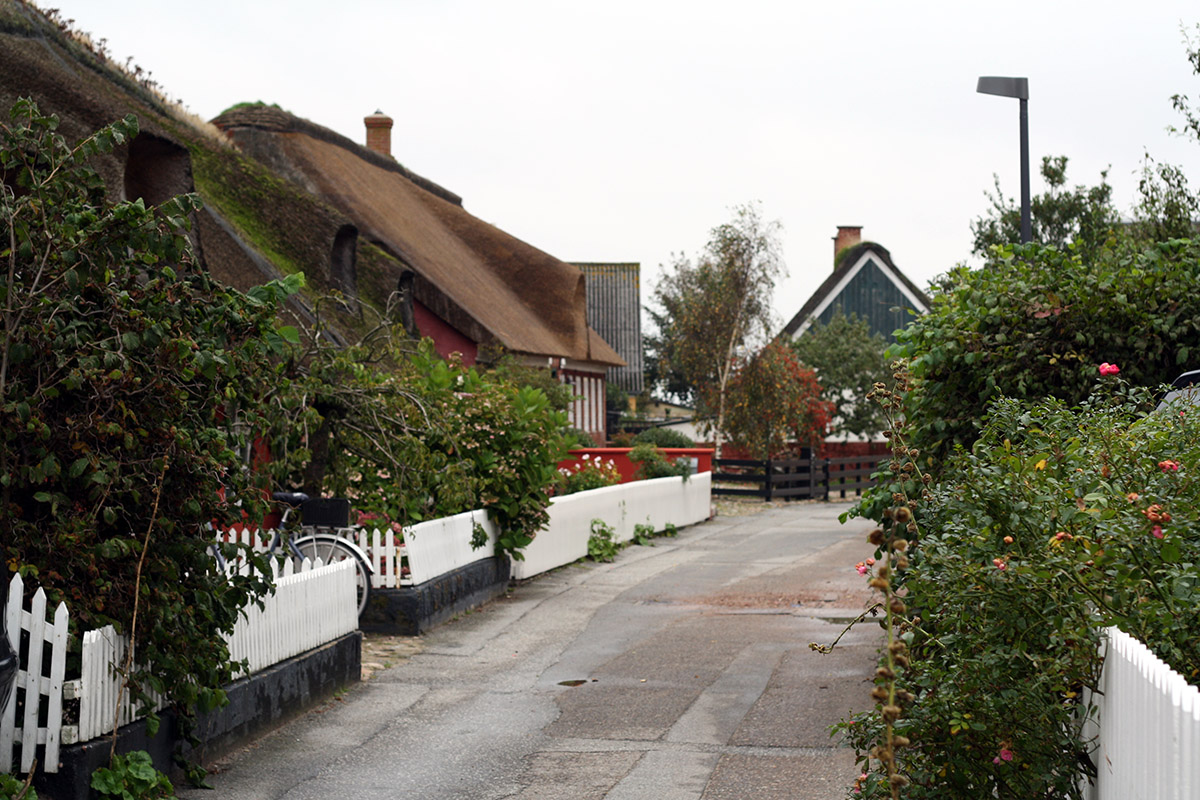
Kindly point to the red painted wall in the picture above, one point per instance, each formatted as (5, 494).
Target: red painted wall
(446, 339)
(620, 458)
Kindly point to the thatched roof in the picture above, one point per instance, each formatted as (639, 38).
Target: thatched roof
(491, 286)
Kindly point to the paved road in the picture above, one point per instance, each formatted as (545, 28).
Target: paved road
(694, 682)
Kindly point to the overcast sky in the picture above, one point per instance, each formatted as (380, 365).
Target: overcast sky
(624, 131)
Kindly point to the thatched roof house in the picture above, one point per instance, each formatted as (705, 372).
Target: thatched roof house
(284, 195)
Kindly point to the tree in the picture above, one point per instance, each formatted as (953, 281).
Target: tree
(848, 360)
(1083, 216)
(1167, 209)
(1182, 102)
(775, 403)
(718, 308)
(129, 381)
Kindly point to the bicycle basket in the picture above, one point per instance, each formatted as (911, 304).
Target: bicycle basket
(326, 512)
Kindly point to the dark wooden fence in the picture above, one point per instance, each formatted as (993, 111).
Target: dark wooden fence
(795, 478)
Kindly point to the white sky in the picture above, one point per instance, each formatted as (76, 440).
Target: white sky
(624, 131)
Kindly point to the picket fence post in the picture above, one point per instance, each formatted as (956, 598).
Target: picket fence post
(37, 689)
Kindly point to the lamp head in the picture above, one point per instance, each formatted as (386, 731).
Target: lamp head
(1005, 87)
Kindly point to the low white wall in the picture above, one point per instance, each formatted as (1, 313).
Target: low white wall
(655, 502)
(443, 545)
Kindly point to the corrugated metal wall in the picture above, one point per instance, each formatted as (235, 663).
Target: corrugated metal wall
(614, 309)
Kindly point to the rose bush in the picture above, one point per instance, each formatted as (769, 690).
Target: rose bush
(1060, 521)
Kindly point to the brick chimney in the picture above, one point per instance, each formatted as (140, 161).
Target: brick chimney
(379, 133)
(848, 236)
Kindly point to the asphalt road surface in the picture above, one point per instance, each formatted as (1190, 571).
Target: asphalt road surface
(680, 672)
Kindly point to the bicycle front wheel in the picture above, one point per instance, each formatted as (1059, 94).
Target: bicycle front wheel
(331, 549)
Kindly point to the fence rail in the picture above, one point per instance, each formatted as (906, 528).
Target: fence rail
(1149, 726)
(796, 478)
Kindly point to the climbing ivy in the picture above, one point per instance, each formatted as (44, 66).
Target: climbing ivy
(129, 381)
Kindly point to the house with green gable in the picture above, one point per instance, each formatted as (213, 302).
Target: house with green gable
(865, 282)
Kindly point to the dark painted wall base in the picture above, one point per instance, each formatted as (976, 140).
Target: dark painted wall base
(257, 703)
(416, 609)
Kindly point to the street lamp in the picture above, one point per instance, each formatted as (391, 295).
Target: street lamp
(1018, 88)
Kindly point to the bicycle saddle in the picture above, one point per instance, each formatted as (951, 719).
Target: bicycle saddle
(293, 499)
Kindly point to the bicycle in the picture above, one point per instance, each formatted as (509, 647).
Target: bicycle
(322, 522)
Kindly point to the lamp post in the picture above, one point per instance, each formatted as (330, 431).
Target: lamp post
(1018, 88)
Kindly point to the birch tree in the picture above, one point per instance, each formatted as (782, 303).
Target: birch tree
(715, 310)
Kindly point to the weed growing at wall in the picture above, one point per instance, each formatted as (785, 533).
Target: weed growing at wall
(601, 544)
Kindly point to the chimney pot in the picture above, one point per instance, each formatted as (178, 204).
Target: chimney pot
(847, 236)
(379, 133)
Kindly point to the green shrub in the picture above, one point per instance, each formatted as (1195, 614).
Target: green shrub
(653, 464)
(663, 437)
(575, 437)
(622, 439)
(643, 533)
(1058, 523)
(429, 438)
(1036, 322)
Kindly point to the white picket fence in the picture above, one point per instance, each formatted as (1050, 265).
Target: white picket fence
(1149, 727)
(308, 609)
(35, 686)
(386, 550)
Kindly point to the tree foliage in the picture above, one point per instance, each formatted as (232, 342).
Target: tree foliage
(128, 384)
(1083, 216)
(714, 310)
(1036, 323)
(408, 436)
(775, 403)
(1183, 103)
(1167, 208)
(848, 360)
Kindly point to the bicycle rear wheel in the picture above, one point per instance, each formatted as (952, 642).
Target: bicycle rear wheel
(331, 549)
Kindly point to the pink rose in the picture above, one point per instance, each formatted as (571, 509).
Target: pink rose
(1109, 369)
